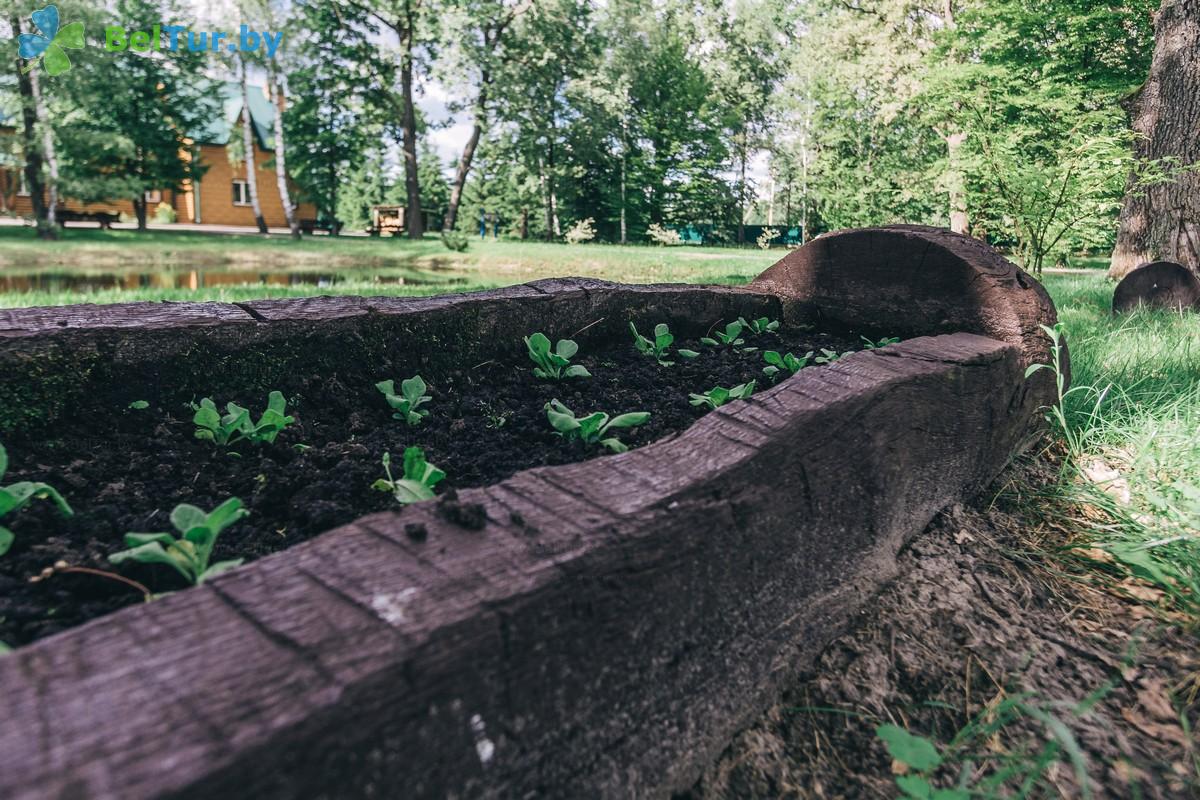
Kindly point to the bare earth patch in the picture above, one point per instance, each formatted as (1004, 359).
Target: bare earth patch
(979, 625)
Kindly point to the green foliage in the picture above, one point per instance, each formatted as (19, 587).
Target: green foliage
(829, 356)
(875, 345)
(419, 479)
(760, 326)
(554, 365)
(777, 363)
(659, 346)
(719, 396)
(4, 649)
(189, 554)
(408, 403)
(458, 242)
(139, 405)
(592, 429)
(730, 337)
(16, 495)
(236, 425)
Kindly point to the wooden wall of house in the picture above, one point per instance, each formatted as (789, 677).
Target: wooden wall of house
(216, 190)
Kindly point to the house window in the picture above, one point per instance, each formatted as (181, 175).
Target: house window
(154, 197)
(241, 193)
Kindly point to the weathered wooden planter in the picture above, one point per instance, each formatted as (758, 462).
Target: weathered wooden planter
(1159, 284)
(614, 623)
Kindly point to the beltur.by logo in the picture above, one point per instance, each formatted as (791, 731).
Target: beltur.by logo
(47, 46)
(116, 38)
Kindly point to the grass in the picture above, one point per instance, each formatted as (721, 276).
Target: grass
(1130, 478)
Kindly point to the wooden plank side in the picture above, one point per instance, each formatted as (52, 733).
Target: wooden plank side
(606, 632)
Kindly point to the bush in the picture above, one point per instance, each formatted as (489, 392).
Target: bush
(164, 214)
(766, 237)
(458, 242)
(582, 231)
(660, 235)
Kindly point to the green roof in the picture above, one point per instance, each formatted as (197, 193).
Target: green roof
(262, 114)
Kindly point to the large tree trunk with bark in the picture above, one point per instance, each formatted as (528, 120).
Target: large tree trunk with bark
(30, 146)
(48, 152)
(1163, 221)
(285, 197)
(415, 221)
(248, 155)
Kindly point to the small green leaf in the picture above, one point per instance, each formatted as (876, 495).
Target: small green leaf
(915, 787)
(578, 371)
(185, 517)
(687, 353)
(630, 420)
(6, 539)
(139, 405)
(915, 751)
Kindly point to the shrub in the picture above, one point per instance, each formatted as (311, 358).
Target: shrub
(660, 235)
(164, 214)
(582, 231)
(456, 241)
(766, 237)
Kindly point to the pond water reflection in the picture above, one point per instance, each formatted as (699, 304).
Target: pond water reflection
(60, 280)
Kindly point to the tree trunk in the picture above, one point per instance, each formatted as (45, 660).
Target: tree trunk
(955, 185)
(285, 197)
(139, 210)
(415, 221)
(741, 235)
(468, 155)
(48, 153)
(1163, 222)
(248, 155)
(31, 148)
(524, 224)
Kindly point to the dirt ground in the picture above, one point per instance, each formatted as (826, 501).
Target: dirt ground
(1024, 657)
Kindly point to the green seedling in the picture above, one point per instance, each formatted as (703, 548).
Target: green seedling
(189, 554)
(419, 477)
(730, 337)
(719, 395)
(139, 405)
(554, 365)
(236, 426)
(830, 356)
(407, 404)
(760, 326)
(16, 495)
(787, 362)
(593, 428)
(659, 346)
(870, 345)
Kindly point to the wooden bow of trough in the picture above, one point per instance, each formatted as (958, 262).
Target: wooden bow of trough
(597, 629)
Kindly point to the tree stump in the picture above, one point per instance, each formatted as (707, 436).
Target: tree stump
(1159, 284)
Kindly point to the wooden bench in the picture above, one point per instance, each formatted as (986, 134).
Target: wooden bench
(105, 218)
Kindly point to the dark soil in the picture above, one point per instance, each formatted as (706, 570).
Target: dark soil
(124, 470)
(980, 618)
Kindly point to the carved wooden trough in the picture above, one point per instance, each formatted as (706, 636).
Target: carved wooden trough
(614, 623)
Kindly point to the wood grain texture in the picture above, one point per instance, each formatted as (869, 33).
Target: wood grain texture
(606, 632)
(1159, 284)
(916, 280)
